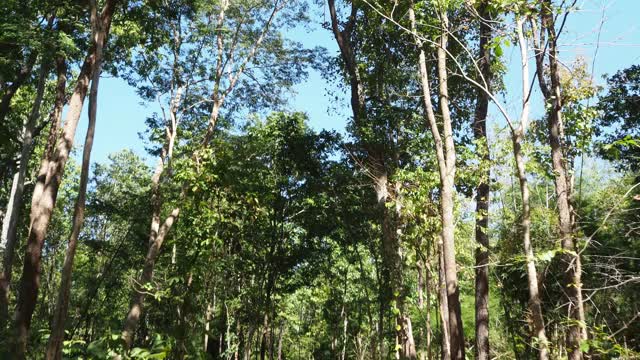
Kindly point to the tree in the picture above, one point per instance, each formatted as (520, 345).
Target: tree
(54, 349)
(483, 190)
(552, 94)
(446, 156)
(620, 109)
(253, 31)
(45, 193)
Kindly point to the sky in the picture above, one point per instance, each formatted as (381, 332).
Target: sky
(604, 32)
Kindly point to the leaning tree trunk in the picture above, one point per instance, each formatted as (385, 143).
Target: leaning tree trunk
(157, 232)
(56, 338)
(482, 189)
(10, 224)
(569, 258)
(45, 195)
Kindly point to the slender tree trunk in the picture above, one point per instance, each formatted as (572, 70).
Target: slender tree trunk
(447, 203)
(445, 154)
(135, 311)
(570, 259)
(54, 347)
(517, 138)
(444, 305)
(158, 232)
(265, 337)
(423, 292)
(424, 287)
(429, 332)
(280, 337)
(45, 195)
(10, 224)
(482, 189)
(207, 324)
(532, 278)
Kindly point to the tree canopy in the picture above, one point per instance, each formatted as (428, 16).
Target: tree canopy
(481, 200)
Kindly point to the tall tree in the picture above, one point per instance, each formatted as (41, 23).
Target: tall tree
(552, 93)
(483, 189)
(517, 137)
(380, 146)
(446, 158)
(45, 194)
(243, 36)
(10, 224)
(56, 338)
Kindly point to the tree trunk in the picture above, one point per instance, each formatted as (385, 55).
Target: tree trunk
(135, 311)
(517, 137)
(532, 277)
(424, 287)
(392, 264)
(445, 154)
(45, 195)
(265, 337)
(447, 203)
(54, 347)
(375, 163)
(570, 259)
(482, 188)
(157, 232)
(280, 337)
(444, 304)
(10, 224)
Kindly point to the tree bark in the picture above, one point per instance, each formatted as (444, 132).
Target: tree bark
(280, 337)
(56, 338)
(45, 195)
(482, 188)
(10, 224)
(517, 136)
(444, 304)
(157, 232)
(555, 125)
(445, 154)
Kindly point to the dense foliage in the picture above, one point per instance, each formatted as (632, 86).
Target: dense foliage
(436, 226)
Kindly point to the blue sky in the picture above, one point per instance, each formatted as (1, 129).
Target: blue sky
(121, 116)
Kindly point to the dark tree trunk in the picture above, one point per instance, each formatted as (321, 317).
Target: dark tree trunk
(482, 188)
(553, 95)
